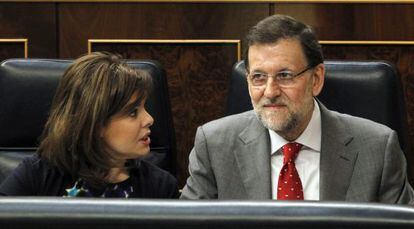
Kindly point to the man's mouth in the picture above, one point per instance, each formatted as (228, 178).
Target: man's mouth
(274, 105)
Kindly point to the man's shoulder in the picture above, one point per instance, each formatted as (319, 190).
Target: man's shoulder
(231, 122)
(230, 127)
(361, 125)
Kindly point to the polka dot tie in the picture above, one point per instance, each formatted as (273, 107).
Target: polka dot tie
(289, 186)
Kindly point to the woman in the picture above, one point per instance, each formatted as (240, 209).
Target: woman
(97, 127)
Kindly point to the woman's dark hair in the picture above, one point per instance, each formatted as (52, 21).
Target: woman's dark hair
(276, 27)
(94, 88)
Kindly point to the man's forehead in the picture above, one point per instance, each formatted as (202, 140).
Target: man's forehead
(283, 52)
(291, 43)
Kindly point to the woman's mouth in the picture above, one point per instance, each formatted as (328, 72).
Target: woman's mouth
(146, 139)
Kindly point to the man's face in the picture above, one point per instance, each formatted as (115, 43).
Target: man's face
(284, 106)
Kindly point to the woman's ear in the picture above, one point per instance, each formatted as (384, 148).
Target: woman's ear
(102, 132)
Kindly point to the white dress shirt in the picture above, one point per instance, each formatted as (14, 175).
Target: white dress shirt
(307, 161)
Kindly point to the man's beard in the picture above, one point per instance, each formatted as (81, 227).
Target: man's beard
(272, 119)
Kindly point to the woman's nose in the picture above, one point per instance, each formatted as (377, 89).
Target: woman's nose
(149, 120)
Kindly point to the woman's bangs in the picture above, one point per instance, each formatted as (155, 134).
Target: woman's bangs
(131, 83)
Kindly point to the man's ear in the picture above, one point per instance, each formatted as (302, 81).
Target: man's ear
(318, 79)
(246, 74)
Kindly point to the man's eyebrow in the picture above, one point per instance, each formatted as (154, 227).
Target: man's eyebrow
(258, 71)
(281, 70)
(285, 70)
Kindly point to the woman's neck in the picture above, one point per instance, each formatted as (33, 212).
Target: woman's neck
(116, 175)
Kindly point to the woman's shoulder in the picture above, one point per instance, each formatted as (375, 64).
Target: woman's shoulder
(155, 182)
(39, 168)
(34, 159)
(150, 170)
(32, 177)
(36, 163)
(33, 162)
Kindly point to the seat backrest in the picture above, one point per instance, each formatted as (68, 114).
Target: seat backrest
(27, 87)
(368, 89)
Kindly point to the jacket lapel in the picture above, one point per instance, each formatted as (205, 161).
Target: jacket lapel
(337, 159)
(253, 160)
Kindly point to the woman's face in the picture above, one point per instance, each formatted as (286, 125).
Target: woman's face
(127, 133)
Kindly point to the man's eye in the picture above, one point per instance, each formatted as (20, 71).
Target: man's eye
(285, 75)
(258, 76)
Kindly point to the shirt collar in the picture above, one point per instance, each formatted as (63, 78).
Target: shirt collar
(310, 138)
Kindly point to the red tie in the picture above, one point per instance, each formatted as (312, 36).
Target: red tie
(289, 186)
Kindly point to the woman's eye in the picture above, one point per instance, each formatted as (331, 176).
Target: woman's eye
(133, 113)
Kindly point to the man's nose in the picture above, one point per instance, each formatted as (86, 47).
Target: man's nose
(272, 89)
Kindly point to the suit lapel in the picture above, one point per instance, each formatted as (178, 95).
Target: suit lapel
(337, 159)
(253, 159)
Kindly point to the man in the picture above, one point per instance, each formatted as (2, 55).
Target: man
(291, 147)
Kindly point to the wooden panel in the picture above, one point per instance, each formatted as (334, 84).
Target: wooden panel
(13, 48)
(400, 55)
(34, 21)
(198, 75)
(80, 22)
(355, 21)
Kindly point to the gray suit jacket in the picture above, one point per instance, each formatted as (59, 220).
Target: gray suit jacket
(360, 161)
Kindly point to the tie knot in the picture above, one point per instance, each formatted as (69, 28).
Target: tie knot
(290, 151)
